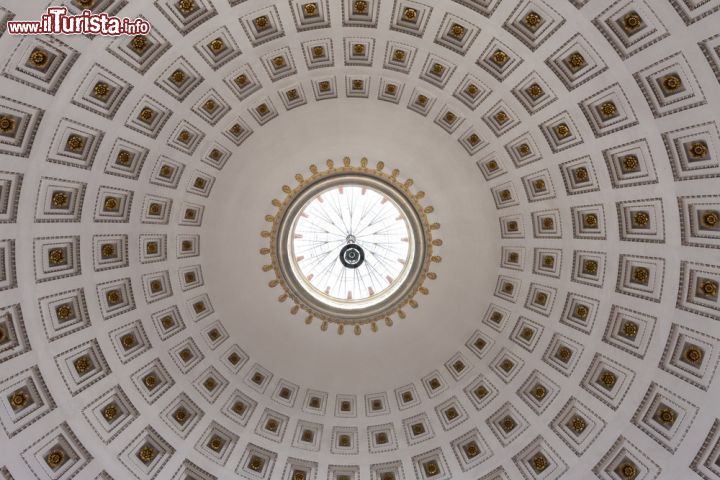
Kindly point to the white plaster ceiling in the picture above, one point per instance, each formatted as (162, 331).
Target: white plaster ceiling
(372, 371)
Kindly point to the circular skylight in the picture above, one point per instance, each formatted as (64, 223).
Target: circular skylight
(351, 245)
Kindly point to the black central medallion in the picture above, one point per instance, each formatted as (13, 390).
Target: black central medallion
(352, 255)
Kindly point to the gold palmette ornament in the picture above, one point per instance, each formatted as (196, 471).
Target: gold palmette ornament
(378, 171)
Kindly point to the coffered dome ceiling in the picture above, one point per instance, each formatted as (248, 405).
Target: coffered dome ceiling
(567, 324)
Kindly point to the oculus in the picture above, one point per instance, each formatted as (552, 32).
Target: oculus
(351, 245)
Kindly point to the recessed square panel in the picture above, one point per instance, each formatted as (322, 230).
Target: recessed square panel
(40, 62)
(670, 86)
(310, 14)
(179, 79)
(186, 16)
(576, 62)
(218, 48)
(139, 52)
(262, 25)
(360, 13)
(533, 22)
